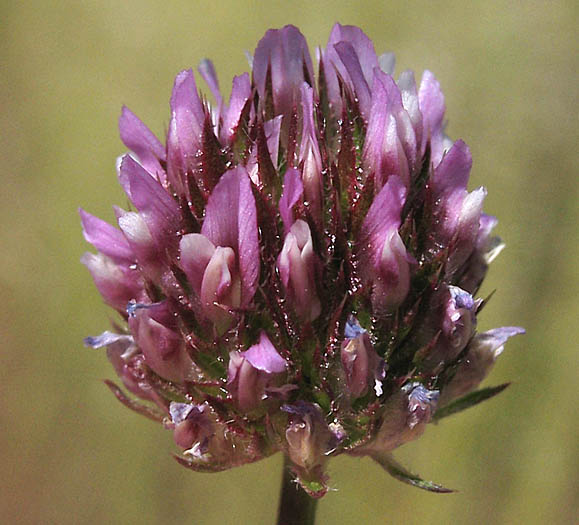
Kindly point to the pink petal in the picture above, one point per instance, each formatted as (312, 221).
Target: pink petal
(453, 171)
(359, 84)
(383, 217)
(432, 108)
(231, 220)
(240, 94)
(196, 251)
(116, 283)
(284, 53)
(263, 356)
(105, 238)
(207, 71)
(185, 129)
(141, 140)
(157, 208)
(293, 190)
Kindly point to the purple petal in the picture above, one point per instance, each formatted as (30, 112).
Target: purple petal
(467, 229)
(391, 139)
(362, 45)
(157, 208)
(432, 107)
(383, 217)
(240, 94)
(360, 60)
(142, 244)
(221, 287)
(196, 252)
(359, 84)
(293, 190)
(495, 339)
(387, 63)
(411, 104)
(185, 129)
(310, 155)
(231, 220)
(486, 225)
(105, 238)
(453, 171)
(163, 349)
(297, 264)
(392, 277)
(263, 356)
(284, 53)
(383, 150)
(384, 262)
(207, 71)
(116, 283)
(140, 139)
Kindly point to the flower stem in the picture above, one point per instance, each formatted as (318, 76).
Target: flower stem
(295, 506)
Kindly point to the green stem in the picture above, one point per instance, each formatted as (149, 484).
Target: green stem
(295, 506)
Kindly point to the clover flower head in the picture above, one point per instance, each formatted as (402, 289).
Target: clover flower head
(299, 265)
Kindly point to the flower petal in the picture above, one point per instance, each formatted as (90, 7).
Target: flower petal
(263, 356)
(231, 220)
(196, 251)
(157, 208)
(240, 94)
(282, 57)
(105, 238)
(141, 140)
(432, 107)
(185, 130)
(293, 190)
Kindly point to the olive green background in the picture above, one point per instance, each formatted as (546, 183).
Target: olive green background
(70, 453)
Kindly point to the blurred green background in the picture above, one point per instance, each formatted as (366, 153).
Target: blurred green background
(70, 453)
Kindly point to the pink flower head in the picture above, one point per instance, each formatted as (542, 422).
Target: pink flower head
(297, 268)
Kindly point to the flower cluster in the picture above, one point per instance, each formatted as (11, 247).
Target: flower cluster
(298, 268)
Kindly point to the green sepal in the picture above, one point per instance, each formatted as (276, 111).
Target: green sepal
(390, 465)
(468, 400)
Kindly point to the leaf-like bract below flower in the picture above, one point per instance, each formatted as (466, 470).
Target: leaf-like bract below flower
(396, 470)
(469, 400)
